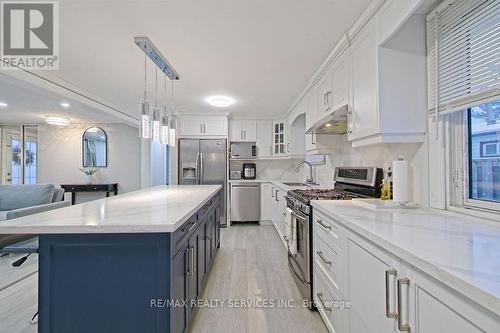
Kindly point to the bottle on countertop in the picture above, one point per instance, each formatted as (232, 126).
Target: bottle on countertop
(387, 186)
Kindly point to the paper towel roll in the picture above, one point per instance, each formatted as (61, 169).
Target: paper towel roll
(400, 181)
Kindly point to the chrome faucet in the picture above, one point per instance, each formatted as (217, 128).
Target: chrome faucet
(309, 180)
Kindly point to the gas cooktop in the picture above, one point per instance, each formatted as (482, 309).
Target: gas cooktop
(320, 194)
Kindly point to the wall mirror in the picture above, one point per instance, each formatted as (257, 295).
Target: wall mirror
(95, 147)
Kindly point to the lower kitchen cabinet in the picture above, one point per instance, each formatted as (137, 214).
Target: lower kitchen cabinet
(431, 307)
(366, 288)
(385, 293)
(179, 290)
(279, 212)
(191, 265)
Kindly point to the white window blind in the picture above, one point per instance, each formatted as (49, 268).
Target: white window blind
(463, 46)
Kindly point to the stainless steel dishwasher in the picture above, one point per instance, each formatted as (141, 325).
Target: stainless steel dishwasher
(245, 202)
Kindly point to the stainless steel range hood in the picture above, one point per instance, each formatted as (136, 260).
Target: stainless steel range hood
(332, 123)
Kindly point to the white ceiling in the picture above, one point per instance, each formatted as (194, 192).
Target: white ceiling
(29, 104)
(260, 52)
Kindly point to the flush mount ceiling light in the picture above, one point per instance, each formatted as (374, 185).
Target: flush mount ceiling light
(220, 101)
(65, 105)
(3, 105)
(57, 121)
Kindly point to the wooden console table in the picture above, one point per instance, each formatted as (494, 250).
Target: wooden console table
(74, 188)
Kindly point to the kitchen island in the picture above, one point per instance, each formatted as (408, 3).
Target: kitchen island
(132, 263)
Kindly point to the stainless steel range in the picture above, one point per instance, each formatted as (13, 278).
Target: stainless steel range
(350, 182)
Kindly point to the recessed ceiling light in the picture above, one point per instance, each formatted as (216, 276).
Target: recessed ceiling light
(220, 101)
(57, 121)
(3, 104)
(65, 105)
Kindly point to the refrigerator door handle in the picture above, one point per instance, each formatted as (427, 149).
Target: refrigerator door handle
(197, 166)
(201, 168)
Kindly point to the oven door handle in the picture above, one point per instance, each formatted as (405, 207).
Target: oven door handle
(295, 272)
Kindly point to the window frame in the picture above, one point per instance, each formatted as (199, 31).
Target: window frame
(459, 168)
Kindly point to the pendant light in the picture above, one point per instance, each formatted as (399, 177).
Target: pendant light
(164, 133)
(172, 138)
(145, 125)
(156, 112)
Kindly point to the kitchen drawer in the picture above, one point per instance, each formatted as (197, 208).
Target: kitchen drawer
(332, 308)
(330, 259)
(332, 231)
(180, 235)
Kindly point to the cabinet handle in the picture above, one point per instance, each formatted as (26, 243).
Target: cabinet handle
(189, 271)
(349, 122)
(320, 254)
(205, 128)
(276, 196)
(403, 327)
(312, 139)
(324, 102)
(388, 274)
(270, 149)
(245, 134)
(272, 192)
(201, 128)
(320, 297)
(241, 134)
(321, 223)
(329, 101)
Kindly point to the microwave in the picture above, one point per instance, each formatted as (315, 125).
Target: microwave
(243, 150)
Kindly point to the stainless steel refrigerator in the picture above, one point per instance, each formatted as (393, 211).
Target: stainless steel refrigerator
(203, 162)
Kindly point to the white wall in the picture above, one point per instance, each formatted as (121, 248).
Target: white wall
(60, 156)
(382, 156)
(274, 169)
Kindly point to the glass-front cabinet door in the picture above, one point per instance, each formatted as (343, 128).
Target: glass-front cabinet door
(279, 140)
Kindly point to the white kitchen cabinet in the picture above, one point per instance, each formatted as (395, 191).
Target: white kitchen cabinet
(387, 94)
(363, 121)
(386, 294)
(243, 130)
(279, 138)
(340, 82)
(430, 307)
(265, 139)
(278, 204)
(324, 92)
(266, 202)
(201, 126)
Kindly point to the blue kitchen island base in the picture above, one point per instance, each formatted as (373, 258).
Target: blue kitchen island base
(143, 282)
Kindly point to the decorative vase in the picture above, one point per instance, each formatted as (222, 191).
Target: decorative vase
(89, 179)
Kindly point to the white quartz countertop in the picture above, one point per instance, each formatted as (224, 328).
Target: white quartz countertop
(461, 252)
(156, 209)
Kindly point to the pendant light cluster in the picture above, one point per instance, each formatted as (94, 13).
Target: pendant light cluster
(157, 123)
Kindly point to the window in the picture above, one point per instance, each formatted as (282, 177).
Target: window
(463, 48)
(483, 152)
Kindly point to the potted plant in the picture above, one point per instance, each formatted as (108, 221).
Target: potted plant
(89, 172)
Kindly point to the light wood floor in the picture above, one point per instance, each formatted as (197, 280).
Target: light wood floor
(251, 264)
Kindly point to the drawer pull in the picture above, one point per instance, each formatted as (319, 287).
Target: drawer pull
(321, 223)
(320, 297)
(320, 254)
(403, 327)
(388, 274)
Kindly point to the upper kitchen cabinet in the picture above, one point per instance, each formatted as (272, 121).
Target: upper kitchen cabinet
(387, 86)
(296, 145)
(265, 139)
(202, 126)
(333, 86)
(279, 138)
(243, 130)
